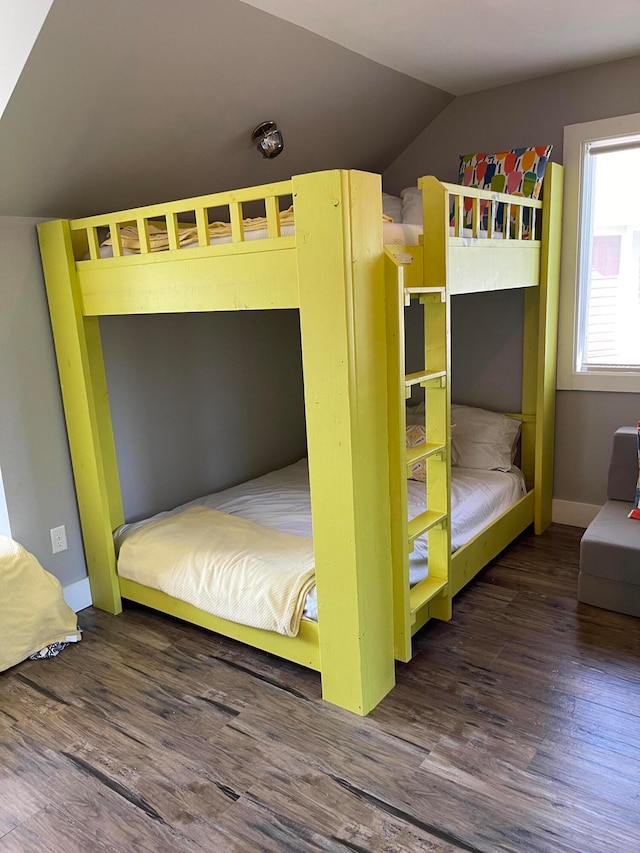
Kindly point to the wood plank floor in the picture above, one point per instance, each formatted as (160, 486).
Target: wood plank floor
(515, 727)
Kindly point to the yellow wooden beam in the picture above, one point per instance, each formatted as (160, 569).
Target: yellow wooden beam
(548, 343)
(437, 348)
(395, 286)
(342, 317)
(79, 353)
(467, 561)
(215, 278)
(302, 649)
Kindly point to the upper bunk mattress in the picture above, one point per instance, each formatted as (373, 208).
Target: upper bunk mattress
(280, 501)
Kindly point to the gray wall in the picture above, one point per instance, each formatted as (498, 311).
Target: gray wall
(34, 455)
(200, 402)
(145, 102)
(132, 103)
(530, 113)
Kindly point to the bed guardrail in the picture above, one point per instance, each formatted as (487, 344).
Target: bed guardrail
(171, 226)
(484, 211)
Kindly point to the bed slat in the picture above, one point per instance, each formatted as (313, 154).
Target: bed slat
(172, 231)
(458, 215)
(116, 239)
(202, 224)
(94, 244)
(237, 225)
(273, 216)
(475, 216)
(143, 236)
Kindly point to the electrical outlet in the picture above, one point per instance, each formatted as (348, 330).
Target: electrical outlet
(58, 539)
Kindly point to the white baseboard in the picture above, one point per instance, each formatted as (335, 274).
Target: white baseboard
(78, 594)
(574, 513)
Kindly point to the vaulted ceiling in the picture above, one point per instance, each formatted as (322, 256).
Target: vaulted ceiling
(128, 103)
(464, 46)
(152, 100)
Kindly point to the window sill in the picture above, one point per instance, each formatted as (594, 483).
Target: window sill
(601, 381)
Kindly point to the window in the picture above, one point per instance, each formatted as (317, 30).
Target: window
(599, 342)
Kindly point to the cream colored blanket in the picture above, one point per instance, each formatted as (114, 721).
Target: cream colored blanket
(188, 235)
(159, 239)
(225, 565)
(33, 613)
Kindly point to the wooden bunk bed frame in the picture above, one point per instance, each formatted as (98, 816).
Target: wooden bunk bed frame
(350, 293)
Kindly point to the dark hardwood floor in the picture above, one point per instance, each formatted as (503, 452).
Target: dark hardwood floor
(515, 727)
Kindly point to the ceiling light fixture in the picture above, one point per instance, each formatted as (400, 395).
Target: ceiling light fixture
(269, 139)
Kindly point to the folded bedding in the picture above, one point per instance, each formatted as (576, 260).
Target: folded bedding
(225, 565)
(280, 502)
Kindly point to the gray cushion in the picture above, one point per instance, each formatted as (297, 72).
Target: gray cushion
(623, 468)
(610, 547)
(611, 595)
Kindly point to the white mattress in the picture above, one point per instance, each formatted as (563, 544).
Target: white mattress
(280, 500)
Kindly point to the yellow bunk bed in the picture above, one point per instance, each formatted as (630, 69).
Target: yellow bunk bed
(348, 290)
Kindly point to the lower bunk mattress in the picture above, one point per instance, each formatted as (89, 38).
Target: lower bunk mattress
(246, 553)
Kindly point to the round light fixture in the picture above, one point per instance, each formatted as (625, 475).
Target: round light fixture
(269, 139)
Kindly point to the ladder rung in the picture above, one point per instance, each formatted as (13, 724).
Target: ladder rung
(423, 592)
(423, 522)
(422, 451)
(422, 376)
(410, 292)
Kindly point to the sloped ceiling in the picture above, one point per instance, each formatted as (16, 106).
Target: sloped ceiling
(465, 46)
(153, 100)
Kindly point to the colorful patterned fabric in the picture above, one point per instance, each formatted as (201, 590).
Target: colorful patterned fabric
(518, 171)
(50, 651)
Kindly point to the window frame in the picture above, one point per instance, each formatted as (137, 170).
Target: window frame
(576, 137)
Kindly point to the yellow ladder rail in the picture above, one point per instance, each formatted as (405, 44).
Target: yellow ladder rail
(412, 607)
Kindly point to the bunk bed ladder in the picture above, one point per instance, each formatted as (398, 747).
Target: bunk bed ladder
(428, 598)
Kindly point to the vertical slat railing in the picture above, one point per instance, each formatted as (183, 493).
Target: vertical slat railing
(269, 195)
(501, 210)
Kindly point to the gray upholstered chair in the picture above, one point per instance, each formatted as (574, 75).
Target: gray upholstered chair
(610, 548)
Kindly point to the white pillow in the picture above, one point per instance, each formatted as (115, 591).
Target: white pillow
(392, 207)
(416, 434)
(412, 205)
(483, 439)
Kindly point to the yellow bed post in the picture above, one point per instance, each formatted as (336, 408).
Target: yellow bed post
(86, 406)
(342, 318)
(539, 360)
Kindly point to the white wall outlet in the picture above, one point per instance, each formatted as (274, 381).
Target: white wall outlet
(58, 539)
